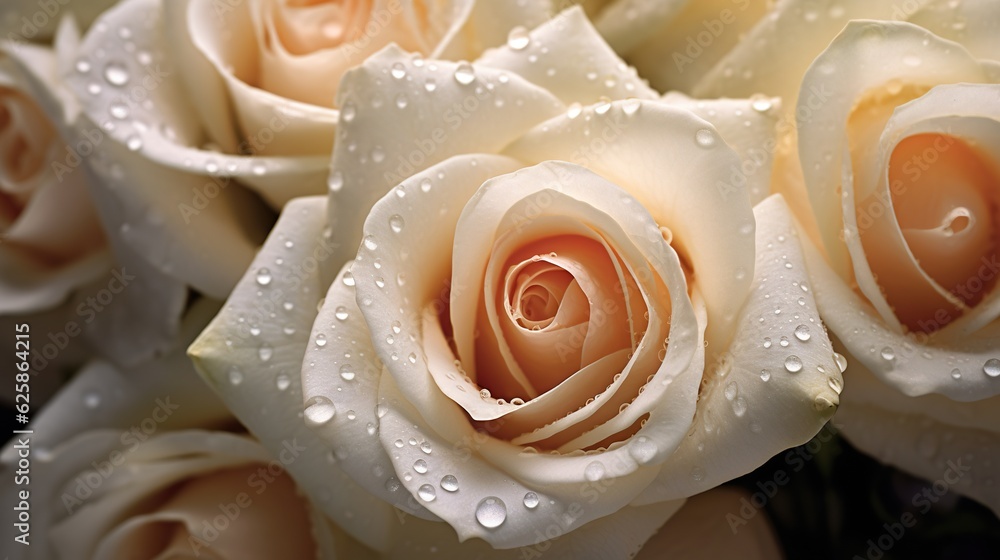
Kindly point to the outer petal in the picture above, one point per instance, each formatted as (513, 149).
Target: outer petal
(702, 530)
(394, 127)
(773, 56)
(774, 387)
(929, 436)
(480, 25)
(609, 537)
(252, 352)
(567, 57)
(972, 23)
(674, 164)
(749, 127)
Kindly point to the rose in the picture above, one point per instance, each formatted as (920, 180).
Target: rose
(900, 167)
(186, 493)
(738, 48)
(389, 413)
(46, 252)
(220, 109)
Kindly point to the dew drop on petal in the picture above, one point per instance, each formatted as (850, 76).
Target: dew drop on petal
(888, 354)
(531, 500)
(518, 38)
(705, 138)
(992, 367)
(282, 382)
(264, 276)
(491, 512)
(464, 73)
(116, 74)
(420, 466)
(341, 313)
(319, 411)
(841, 361)
(449, 483)
(427, 493)
(595, 471)
(347, 372)
(320, 340)
(793, 364)
(802, 333)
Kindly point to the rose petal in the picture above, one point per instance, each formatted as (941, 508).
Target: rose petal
(957, 265)
(677, 168)
(926, 436)
(761, 397)
(476, 26)
(27, 286)
(608, 537)
(587, 67)
(704, 529)
(749, 127)
(257, 399)
(163, 124)
(24, 20)
(914, 363)
(394, 144)
(873, 52)
(774, 55)
(972, 23)
(626, 23)
(688, 45)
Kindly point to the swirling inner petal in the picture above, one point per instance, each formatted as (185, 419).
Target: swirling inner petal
(305, 26)
(947, 210)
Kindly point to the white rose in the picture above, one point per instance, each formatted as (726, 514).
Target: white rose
(643, 327)
(221, 111)
(901, 169)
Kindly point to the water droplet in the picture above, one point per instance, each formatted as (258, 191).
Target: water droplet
(992, 367)
(574, 110)
(118, 111)
(401, 102)
(347, 372)
(348, 112)
(392, 484)
(265, 352)
(92, 400)
(320, 340)
(888, 354)
(740, 406)
(793, 364)
(631, 106)
(491, 512)
(336, 181)
(341, 313)
(398, 71)
(134, 143)
(731, 391)
(263, 276)
(784, 342)
(319, 411)
(430, 84)
(518, 38)
(802, 333)
(705, 138)
(116, 74)
(841, 361)
(765, 375)
(348, 278)
(761, 104)
(531, 500)
(420, 466)
(595, 471)
(956, 374)
(835, 384)
(642, 449)
(464, 73)
(82, 66)
(449, 483)
(370, 243)
(235, 376)
(396, 223)
(282, 382)
(425, 185)
(767, 342)
(427, 493)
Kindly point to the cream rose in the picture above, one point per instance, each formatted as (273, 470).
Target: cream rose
(522, 341)
(221, 110)
(901, 167)
(46, 251)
